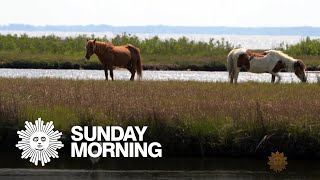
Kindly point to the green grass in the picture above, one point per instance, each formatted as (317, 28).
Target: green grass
(188, 118)
(307, 46)
(54, 52)
(51, 50)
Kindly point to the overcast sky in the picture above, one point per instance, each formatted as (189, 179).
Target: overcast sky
(245, 13)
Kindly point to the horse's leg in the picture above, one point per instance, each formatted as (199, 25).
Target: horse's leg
(111, 72)
(276, 69)
(279, 78)
(236, 74)
(273, 78)
(106, 73)
(133, 72)
(277, 75)
(231, 77)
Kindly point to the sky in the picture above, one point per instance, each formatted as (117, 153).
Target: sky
(240, 13)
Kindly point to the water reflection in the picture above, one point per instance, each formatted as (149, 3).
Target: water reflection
(151, 75)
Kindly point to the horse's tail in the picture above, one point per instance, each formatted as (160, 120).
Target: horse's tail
(137, 55)
(139, 64)
(230, 66)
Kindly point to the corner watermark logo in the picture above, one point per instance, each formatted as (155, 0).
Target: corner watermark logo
(39, 142)
(277, 161)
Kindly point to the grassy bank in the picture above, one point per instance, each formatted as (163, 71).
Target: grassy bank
(52, 52)
(188, 118)
(41, 61)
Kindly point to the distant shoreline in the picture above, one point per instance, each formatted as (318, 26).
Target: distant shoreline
(260, 42)
(163, 29)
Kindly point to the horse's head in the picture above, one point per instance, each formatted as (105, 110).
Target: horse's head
(299, 69)
(90, 47)
(295, 65)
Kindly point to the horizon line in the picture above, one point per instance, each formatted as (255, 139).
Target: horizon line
(186, 26)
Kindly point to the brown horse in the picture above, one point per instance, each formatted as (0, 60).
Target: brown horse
(126, 56)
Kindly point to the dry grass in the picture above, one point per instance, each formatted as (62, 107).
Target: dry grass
(187, 117)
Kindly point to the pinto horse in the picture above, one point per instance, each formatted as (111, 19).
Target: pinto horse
(126, 56)
(271, 61)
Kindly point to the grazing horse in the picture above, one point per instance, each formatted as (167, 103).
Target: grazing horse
(271, 61)
(126, 56)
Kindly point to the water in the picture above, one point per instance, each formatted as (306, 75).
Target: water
(66, 168)
(202, 76)
(246, 41)
(33, 174)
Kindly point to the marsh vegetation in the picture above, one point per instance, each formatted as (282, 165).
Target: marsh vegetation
(53, 52)
(188, 118)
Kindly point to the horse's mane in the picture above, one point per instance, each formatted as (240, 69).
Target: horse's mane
(286, 58)
(281, 54)
(103, 46)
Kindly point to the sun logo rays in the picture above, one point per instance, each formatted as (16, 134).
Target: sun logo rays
(39, 142)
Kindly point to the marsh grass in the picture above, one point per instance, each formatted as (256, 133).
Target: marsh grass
(188, 118)
(68, 53)
(52, 51)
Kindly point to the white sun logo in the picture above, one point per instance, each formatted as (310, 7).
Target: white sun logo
(39, 142)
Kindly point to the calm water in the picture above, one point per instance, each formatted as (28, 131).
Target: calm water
(151, 75)
(247, 41)
(40, 174)
(66, 168)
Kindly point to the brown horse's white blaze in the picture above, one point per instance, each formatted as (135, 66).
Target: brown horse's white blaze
(271, 61)
(126, 56)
